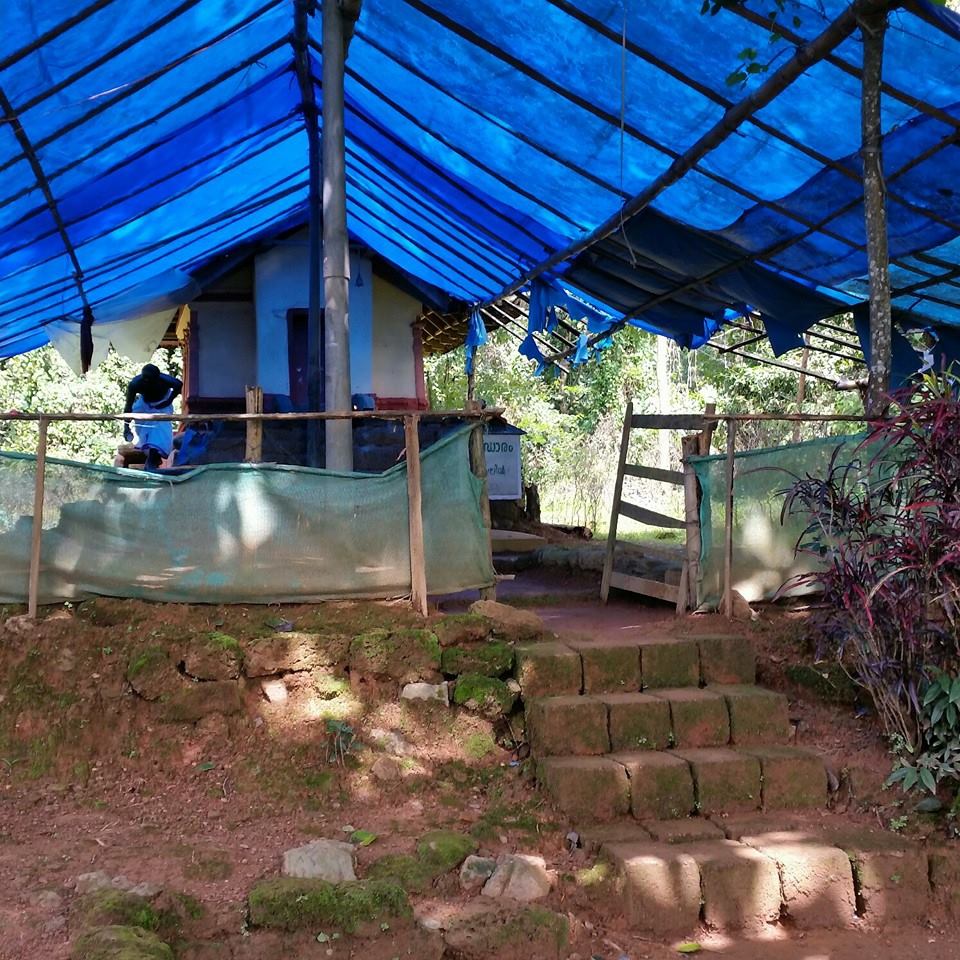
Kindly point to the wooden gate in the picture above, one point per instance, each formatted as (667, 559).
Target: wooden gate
(683, 594)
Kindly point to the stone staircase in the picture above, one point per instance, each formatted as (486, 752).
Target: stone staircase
(680, 771)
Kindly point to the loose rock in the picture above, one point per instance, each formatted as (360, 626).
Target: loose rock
(509, 623)
(274, 689)
(519, 877)
(330, 860)
(476, 871)
(426, 691)
(386, 769)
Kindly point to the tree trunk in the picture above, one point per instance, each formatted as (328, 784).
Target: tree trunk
(872, 28)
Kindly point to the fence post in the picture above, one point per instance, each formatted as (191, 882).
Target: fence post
(478, 463)
(609, 556)
(690, 447)
(418, 563)
(254, 451)
(728, 523)
(33, 586)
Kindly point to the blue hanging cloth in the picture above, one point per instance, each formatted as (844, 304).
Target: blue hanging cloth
(582, 354)
(546, 297)
(476, 337)
(530, 349)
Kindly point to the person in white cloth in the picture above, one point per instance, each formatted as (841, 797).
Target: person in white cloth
(152, 392)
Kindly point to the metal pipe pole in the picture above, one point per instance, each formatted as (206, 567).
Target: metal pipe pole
(336, 252)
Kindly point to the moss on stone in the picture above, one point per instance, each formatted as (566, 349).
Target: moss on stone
(488, 695)
(445, 849)
(422, 641)
(489, 660)
(120, 943)
(223, 641)
(462, 628)
(402, 654)
(286, 903)
(409, 872)
(111, 907)
(829, 681)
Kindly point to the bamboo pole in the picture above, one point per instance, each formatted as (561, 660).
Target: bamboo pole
(873, 27)
(728, 522)
(615, 509)
(254, 451)
(478, 463)
(418, 561)
(33, 585)
(336, 253)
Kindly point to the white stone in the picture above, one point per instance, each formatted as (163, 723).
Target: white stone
(274, 689)
(330, 860)
(48, 900)
(519, 877)
(426, 691)
(476, 871)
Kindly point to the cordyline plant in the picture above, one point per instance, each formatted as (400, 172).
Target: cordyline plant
(885, 527)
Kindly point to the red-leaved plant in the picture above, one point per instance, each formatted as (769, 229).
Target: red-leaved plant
(885, 524)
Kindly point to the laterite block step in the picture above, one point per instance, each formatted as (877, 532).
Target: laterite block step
(588, 789)
(548, 669)
(686, 717)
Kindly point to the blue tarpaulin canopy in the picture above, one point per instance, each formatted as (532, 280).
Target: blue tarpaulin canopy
(141, 140)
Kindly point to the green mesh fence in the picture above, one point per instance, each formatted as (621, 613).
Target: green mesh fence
(241, 533)
(764, 556)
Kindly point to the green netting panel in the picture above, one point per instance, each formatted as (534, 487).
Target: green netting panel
(241, 533)
(764, 557)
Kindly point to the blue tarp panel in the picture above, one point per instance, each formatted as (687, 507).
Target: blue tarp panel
(480, 140)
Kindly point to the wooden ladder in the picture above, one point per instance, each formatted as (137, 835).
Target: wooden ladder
(684, 595)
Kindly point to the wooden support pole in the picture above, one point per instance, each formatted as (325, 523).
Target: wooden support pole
(478, 463)
(615, 509)
(873, 27)
(728, 522)
(690, 447)
(336, 252)
(33, 586)
(254, 451)
(418, 560)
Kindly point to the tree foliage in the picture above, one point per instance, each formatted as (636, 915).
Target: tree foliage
(40, 381)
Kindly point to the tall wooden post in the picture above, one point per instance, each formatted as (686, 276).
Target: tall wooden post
(478, 463)
(615, 509)
(690, 446)
(728, 521)
(39, 480)
(418, 562)
(873, 27)
(336, 252)
(254, 451)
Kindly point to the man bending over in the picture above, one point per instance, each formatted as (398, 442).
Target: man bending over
(152, 392)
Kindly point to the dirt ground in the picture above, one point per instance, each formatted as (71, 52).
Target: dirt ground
(91, 780)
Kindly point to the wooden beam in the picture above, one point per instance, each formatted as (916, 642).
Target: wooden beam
(650, 517)
(418, 561)
(690, 447)
(653, 473)
(728, 522)
(615, 509)
(648, 588)
(39, 480)
(478, 463)
(667, 421)
(254, 451)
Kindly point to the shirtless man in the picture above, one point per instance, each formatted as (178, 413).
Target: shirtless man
(152, 392)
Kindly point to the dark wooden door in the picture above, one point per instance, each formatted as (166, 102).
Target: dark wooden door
(297, 340)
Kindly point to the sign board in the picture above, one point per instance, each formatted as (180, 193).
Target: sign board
(502, 451)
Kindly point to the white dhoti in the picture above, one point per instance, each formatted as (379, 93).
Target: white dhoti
(157, 435)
